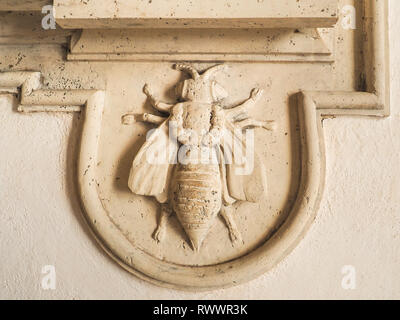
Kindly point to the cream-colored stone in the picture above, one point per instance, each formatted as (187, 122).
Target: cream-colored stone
(250, 45)
(195, 14)
(297, 95)
(198, 173)
(24, 5)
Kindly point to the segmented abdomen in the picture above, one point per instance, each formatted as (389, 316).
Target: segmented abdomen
(196, 199)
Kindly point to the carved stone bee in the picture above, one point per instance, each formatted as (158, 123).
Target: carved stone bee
(197, 191)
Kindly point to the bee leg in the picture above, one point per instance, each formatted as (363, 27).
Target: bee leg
(130, 118)
(159, 233)
(157, 104)
(242, 109)
(234, 233)
(150, 118)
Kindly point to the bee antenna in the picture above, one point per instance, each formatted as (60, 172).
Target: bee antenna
(192, 71)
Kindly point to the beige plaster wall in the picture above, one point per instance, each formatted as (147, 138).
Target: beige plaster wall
(358, 223)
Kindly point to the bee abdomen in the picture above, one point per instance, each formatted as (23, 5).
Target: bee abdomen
(197, 200)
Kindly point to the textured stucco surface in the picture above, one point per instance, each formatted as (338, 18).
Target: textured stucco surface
(358, 223)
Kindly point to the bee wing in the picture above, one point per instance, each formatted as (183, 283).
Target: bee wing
(151, 167)
(245, 181)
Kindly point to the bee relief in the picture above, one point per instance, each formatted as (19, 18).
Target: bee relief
(200, 159)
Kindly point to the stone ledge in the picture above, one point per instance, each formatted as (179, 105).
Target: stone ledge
(196, 14)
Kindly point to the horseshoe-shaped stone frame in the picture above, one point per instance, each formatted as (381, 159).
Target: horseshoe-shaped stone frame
(313, 107)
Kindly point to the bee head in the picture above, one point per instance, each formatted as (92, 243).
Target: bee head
(200, 88)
